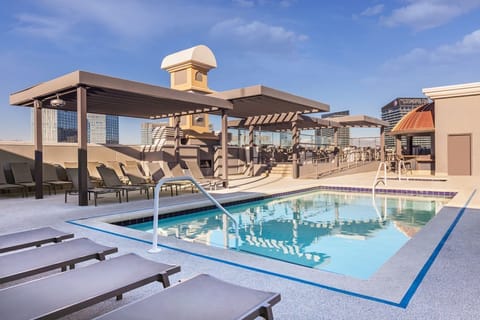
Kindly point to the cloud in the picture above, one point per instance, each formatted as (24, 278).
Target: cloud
(372, 11)
(469, 46)
(257, 35)
(427, 14)
(253, 3)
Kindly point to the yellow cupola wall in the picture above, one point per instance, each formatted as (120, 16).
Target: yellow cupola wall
(189, 72)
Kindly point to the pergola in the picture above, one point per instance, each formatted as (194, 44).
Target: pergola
(89, 92)
(84, 92)
(363, 121)
(260, 105)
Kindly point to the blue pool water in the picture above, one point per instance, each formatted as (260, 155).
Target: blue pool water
(343, 233)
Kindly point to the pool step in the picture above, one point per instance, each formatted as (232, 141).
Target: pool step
(281, 170)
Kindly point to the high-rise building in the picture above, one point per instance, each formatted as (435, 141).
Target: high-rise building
(393, 111)
(151, 131)
(324, 136)
(61, 126)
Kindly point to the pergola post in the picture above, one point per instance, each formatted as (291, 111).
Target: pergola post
(37, 137)
(250, 144)
(82, 146)
(382, 143)
(176, 152)
(295, 142)
(335, 143)
(225, 147)
(398, 145)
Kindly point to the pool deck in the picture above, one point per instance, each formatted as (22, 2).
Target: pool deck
(448, 286)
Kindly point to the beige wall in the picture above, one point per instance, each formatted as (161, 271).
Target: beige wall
(457, 115)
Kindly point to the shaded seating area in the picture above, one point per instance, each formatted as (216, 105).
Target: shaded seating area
(8, 187)
(22, 175)
(112, 181)
(50, 176)
(72, 174)
(69, 291)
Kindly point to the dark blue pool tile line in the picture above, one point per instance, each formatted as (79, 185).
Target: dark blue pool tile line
(422, 193)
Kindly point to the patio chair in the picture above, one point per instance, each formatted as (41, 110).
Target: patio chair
(4, 185)
(197, 174)
(119, 169)
(23, 176)
(72, 174)
(111, 180)
(31, 238)
(61, 294)
(132, 168)
(175, 170)
(26, 263)
(202, 297)
(50, 176)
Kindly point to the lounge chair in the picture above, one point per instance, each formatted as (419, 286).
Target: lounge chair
(25, 263)
(175, 170)
(4, 185)
(23, 176)
(132, 168)
(202, 297)
(61, 294)
(197, 174)
(50, 177)
(31, 238)
(111, 180)
(72, 174)
(119, 169)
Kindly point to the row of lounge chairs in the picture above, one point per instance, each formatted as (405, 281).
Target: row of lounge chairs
(54, 296)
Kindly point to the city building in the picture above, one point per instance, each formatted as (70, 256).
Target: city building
(393, 111)
(151, 132)
(61, 126)
(324, 136)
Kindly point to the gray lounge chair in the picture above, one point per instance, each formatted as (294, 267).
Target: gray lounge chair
(111, 180)
(119, 169)
(175, 170)
(23, 176)
(50, 177)
(197, 174)
(4, 185)
(31, 238)
(23, 264)
(72, 174)
(61, 294)
(202, 297)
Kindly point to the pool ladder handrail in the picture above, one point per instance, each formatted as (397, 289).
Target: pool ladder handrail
(377, 180)
(401, 163)
(156, 197)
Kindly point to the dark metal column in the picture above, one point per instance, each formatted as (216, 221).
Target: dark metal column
(250, 144)
(225, 147)
(176, 121)
(37, 138)
(82, 146)
(295, 142)
(335, 143)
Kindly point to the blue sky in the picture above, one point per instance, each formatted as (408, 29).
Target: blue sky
(355, 55)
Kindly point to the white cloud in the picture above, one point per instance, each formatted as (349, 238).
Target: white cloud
(257, 35)
(469, 46)
(427, 14)
(373, 11)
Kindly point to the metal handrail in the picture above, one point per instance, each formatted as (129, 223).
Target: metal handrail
(376, 181)
(401, 163)
(156, 197)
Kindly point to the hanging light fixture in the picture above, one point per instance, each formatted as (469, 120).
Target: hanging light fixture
(57, 102)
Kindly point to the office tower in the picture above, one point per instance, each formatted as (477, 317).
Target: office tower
(61, 126)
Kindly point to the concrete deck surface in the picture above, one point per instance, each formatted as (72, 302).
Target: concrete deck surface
(449, 289)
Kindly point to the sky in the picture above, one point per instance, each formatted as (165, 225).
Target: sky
(351, 54)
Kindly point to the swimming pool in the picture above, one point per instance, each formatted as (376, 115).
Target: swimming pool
(339, 232)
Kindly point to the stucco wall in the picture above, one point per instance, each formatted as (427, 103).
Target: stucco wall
(458, 115)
